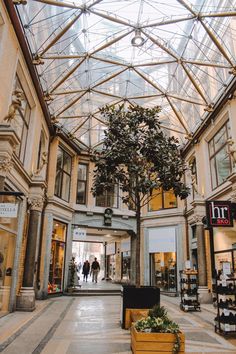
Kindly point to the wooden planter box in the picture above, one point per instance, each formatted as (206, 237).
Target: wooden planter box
(154, 343)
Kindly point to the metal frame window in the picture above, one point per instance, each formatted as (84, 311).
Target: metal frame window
(21, 121)
(82, 184)
(220, 161)
(63, 174)
(109, 199)
(162, 200)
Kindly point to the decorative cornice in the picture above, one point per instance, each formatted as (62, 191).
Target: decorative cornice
(196, 219)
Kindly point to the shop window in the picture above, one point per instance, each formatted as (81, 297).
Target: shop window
(20, 123)
(219, 157)
(56, 269)
(82, 184)
(63, 175)
(109, 199)
(125, 271)
(162, 200)
(163, 268)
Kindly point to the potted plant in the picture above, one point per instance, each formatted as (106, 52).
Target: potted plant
(157, 333)
(72, 275)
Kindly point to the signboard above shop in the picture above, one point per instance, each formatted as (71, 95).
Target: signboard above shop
(79, 234)
(8, 210)
(219, 213)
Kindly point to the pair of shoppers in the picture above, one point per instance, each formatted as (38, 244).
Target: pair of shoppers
(95, 268)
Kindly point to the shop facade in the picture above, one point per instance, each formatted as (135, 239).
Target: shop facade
(57, 258)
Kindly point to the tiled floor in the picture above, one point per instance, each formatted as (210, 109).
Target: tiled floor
(89, 325)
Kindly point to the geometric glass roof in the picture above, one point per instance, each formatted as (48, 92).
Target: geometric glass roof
(87, 55)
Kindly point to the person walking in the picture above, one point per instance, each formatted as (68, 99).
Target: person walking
(95, 270)
(86, 269)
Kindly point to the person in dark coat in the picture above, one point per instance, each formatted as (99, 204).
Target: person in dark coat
(86, 269)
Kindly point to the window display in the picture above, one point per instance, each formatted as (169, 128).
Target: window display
(56, 270)
(164, 271)
(126, 265)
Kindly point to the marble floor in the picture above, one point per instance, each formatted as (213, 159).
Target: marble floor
(89, 325)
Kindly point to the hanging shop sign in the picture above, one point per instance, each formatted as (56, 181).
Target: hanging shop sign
(8, 210)
(219, 213)
(79, 234)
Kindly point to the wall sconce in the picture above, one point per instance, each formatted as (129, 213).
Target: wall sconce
(138, 40)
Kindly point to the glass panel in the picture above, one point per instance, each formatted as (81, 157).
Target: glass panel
(170, 200)
(81, 193)
(56, 269)
(169, 22)
(221, 259)
(156, 203)
(65, 189)
(66, 162)
(59, 231)
(82, 172)
(222, 165)
(213, 173)
(58, 183)
(59, 158)
(220, 139)
(164, 271)
(125, 266)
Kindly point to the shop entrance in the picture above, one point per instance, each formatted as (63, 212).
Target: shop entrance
(88, 250)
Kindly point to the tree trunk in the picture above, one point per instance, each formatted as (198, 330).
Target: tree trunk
(137, 260)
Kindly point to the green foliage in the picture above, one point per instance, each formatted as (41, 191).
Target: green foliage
(138, 156)
(157, 321)
(157, 311)
(73, 270)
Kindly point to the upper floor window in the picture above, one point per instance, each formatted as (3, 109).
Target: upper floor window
(162, 200)
(20, 123)
(63, 174)
(219, 157)
(109, 199)
(82, 184)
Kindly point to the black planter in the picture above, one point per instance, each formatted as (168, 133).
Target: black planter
(144, 297)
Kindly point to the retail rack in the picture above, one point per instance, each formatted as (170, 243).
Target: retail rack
(225, 321)
(189, 290)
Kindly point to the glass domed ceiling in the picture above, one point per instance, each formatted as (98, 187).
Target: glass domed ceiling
(177, 54)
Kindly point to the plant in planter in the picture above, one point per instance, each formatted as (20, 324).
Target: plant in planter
(157, 333)
(73, 272)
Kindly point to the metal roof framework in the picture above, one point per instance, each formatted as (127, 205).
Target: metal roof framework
(85, 59)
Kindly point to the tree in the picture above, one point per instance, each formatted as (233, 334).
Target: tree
(140, 158)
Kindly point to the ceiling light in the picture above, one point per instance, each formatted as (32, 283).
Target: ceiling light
(138, 40)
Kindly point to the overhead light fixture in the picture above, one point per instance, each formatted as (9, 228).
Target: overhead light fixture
(138, 40)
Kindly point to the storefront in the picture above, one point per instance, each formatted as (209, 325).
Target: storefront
(125, 259)
(162, 253)
(225, 249)
(57, 258)
(223, 231)
(8, 234)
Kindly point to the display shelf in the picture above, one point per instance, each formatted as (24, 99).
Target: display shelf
(189, 290)
(225, 321)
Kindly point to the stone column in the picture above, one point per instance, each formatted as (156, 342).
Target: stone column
(205, 295)
(201, 252)
(26, 298)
